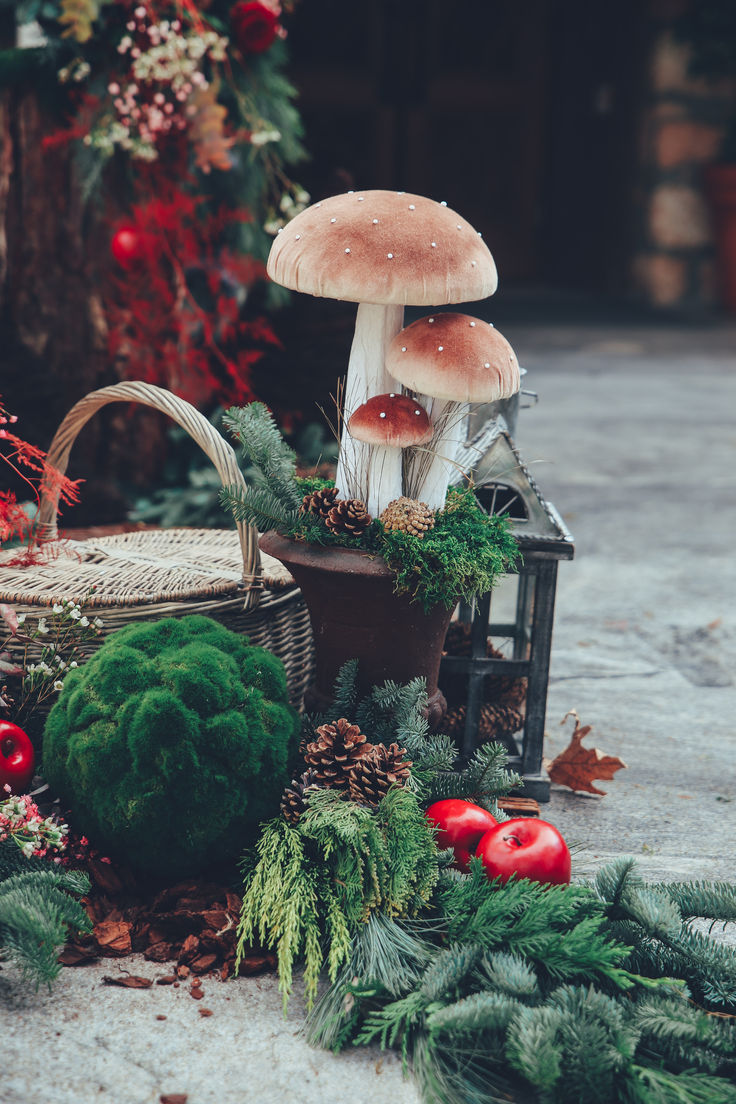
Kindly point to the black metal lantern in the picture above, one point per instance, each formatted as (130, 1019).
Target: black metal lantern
(503, 485)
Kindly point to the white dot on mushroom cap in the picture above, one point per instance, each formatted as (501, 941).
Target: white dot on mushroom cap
(473, 263)
(360, 199)
(333, 220)
(297, 237)
(486, 365)
(392, 395)
(401, 193)
(390, 256)
(403, 348)
(412, 207)
(440, 348)
(430, 319)
(318, 205)
(382, 415)
(459, 226)
(279, 229)
(433, 244)
(347, 250)
(472, 323)
(417, 412)
(375, 222)
(443, 203)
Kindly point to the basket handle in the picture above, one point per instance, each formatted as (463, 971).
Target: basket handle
(189, 418)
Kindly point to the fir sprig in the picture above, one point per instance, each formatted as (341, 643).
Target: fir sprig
(36, 908)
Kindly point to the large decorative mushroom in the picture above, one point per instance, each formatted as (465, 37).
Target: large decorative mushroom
(382, 250)
(390, 423)
(454, 360)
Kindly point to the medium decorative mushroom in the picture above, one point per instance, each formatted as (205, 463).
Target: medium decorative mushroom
(382, 250)
(389, 423)
(454, 359)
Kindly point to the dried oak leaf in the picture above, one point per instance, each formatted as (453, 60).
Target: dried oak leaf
(576, 766)
(128, 981)
(74, 954)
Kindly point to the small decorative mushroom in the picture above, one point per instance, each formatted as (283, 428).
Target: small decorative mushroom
(389, 423)
(453, 360)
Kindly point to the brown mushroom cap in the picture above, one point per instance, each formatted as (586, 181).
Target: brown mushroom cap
(383, 247)
(454, 357)
(394, 420)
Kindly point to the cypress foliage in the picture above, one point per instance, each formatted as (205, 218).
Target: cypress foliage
(315, 882)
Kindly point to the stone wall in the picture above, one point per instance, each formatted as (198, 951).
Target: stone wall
(682, 126)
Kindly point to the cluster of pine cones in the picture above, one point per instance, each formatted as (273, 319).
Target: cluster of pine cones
(341, 758)
(350, 515)
(340, 515)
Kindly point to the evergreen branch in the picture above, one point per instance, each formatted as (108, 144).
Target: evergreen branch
(652, 1085)
(346, 689)
(479, 1012)
(36, 908)
(713, 900)
(262, 443)
(257, 506)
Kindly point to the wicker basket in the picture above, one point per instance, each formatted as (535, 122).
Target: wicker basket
(142, 576)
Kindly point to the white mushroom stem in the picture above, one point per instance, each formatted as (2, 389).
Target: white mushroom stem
(384, 478)
(375, 326)
(434, 467)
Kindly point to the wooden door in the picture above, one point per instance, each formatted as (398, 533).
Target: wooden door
(443, 100)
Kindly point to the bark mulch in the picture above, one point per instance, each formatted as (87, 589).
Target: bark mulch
(191, 925)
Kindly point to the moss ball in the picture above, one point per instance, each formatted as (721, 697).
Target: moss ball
(171, 743)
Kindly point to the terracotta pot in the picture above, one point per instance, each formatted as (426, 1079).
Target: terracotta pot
(356, 615)
(720, 187)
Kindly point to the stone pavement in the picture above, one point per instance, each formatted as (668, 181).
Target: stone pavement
(634, 440)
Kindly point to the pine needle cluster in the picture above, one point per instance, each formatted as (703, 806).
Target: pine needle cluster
(556, 994)
(36, 908)
(464, 554)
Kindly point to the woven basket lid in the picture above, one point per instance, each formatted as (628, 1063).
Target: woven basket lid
(139, 568)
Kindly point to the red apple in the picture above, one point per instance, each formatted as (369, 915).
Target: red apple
(17, 758)
(461, 825)
(528, 848)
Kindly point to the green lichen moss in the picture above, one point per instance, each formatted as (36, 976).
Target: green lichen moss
(171, 743)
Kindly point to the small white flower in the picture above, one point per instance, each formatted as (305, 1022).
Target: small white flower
(21, 618)
(74, 663)
(75, 614)
(98, 622)
(58, 685)
(84, 622)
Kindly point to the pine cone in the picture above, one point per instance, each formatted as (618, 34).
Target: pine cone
(319, 503)
(494, 722)
(408, 516)
(337, 749)
(372, 775)
(295, 797)
(348, 515)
